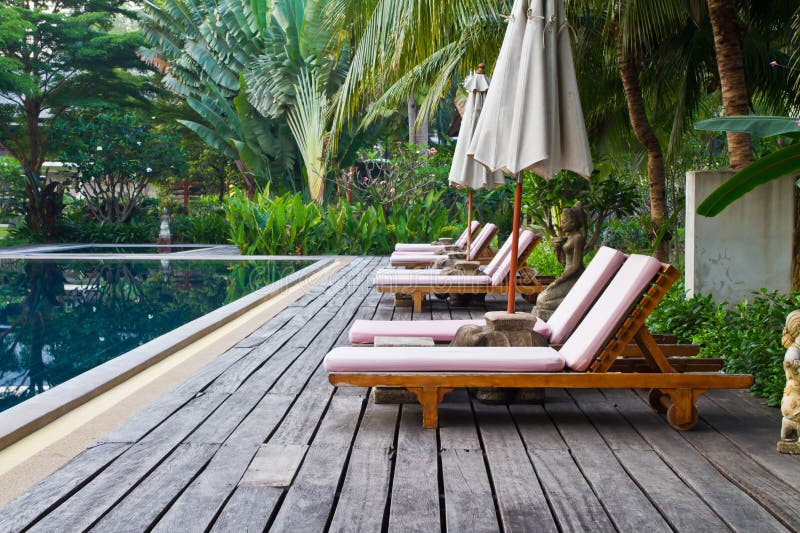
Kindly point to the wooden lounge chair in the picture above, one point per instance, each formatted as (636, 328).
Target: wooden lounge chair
(479, 251)
(590, 358)
(460, 243)
(493, 278)
(603, 266)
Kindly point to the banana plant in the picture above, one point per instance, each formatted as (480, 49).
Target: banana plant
(771, 167)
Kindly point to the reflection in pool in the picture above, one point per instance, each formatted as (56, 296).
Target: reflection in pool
(59, 319)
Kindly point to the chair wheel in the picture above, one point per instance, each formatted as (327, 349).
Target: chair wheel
(682, 426)
(655, 399)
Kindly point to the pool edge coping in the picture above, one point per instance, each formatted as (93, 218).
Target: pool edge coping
(35, 413)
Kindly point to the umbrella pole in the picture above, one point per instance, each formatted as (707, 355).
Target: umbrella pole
(512, 273)
(469, 223)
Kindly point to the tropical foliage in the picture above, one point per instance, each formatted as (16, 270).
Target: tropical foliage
(55, 57)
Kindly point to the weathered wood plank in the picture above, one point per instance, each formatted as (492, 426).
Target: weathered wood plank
(137, 512)
(522, 503)
(682, 508)
(362, 500)
(737, 509)
(468, 501)
(415, 489)
(626, 505)
(57, 487)
(206, 494)
(309, 501)
(248, 510)
(574, 504)
(274, 465)
(115, 481)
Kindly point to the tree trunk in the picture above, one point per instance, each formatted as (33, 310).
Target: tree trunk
(416, 135)
(735, 100)
(656, 175)
(796, 242)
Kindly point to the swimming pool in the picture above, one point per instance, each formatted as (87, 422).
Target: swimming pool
(59, 319)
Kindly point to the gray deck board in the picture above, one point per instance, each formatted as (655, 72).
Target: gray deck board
(208, 455)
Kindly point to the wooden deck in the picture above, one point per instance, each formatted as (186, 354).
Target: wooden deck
(258, 440)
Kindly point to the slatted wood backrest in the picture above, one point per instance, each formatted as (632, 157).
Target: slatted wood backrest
(635, 318)
(482, 240)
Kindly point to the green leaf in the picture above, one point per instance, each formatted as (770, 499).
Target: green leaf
(766, 169)
(755, 125)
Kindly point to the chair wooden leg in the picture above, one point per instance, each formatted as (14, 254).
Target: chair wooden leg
(417, 298)
(682, 413)
(429, 398)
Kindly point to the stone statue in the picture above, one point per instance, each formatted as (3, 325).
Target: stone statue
(790, 404)
(569, 247)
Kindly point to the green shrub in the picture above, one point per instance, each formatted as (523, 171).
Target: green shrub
(272, 226)
(544, 260)
(746, 336)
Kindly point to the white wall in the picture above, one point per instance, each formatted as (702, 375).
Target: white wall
(746, 247)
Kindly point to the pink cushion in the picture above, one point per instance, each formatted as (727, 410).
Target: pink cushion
(498, 258)
(413, 271)
(526, 237)
(613, 306)
(444, 359)
(406, 259)
(365, 331)
(402, 278)
(461, 242)
(480, 241)
(582, 295)
(418, 248)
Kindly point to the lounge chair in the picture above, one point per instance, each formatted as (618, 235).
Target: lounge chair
(588, 358)
(478, 251)
(594, 279)
(460, 243)
(491, 280)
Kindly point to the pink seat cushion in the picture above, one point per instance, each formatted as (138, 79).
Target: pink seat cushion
(406, 279)
(403, 258)
(582, 295)
(613, 306)
(526, 237)
(413, 271)
(422, 248)
(365, 331)
(444, 359)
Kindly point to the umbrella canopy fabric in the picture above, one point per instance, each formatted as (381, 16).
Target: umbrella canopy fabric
(464, 171)
(532, 117)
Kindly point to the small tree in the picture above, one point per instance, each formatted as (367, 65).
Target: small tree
(115, 158)
(56, 57)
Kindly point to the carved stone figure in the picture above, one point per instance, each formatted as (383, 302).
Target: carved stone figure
(569, 247)
(790, 404)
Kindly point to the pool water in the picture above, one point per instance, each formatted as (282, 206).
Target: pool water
(59, 319)
(124, 249)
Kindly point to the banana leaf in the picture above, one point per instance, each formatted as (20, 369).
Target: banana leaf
(761, 126)
(777, 164)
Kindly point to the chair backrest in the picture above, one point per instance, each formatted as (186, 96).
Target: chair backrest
(497, 260)
(582, 295)
(610, 311)
(461, 242)
(527, 238)
(481, 240)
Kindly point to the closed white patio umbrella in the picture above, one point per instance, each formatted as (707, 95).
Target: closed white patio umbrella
(465, 172)
(532, 117)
